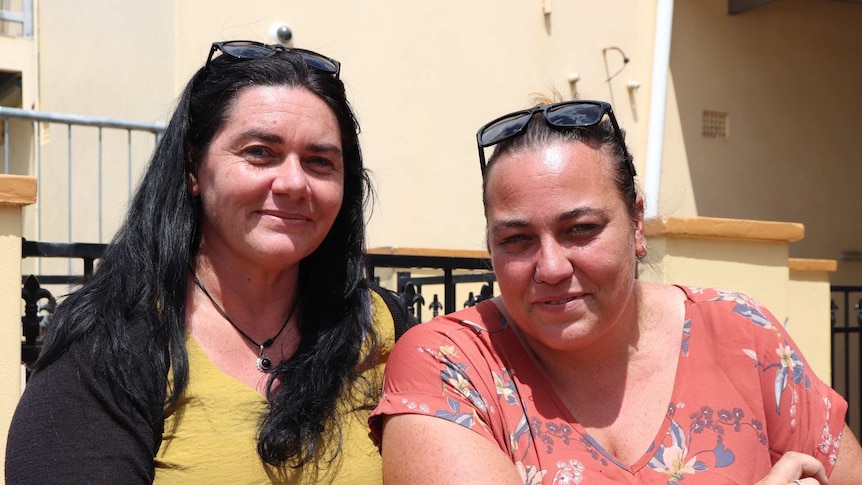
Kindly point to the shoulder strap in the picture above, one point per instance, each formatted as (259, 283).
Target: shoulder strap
(403, 318)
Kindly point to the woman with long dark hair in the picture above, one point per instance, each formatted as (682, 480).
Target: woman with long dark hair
(227, 334)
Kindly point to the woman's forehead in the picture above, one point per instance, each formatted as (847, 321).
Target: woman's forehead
(566, 175)
(572, 161)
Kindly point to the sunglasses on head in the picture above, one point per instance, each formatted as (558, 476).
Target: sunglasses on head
(249, 49)
(567, 114)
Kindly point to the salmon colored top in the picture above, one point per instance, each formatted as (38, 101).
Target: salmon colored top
(742, 397)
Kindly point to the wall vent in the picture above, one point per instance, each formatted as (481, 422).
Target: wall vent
(716, 124)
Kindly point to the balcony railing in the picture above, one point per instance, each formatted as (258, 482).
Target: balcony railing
(847, 350)
(59, 165)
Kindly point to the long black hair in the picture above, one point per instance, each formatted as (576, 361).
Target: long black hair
(132, 311)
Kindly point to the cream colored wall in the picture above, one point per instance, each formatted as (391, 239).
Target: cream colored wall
(754, 268)
(788, 73)
(750, 257)
(104, 59)
(422, 77)
(15, 192)
(808, 298)
(742, 255)
(10, 335)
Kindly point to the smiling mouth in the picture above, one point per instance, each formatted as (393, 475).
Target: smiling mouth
(560, 302)
(286, 217)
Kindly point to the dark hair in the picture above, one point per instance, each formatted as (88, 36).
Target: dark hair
(539, 133)
(133, 309)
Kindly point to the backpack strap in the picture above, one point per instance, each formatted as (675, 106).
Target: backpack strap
(397, 307)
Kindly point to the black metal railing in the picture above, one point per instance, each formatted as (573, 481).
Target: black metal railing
(846, 350)
(39, 305)
(409, 286)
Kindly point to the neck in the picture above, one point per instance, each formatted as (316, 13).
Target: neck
(258, 303)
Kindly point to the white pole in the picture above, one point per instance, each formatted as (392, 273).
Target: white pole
(658, 103)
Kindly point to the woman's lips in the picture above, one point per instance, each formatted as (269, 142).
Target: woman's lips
(559, 300)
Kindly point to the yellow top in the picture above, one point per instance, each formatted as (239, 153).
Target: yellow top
(211, 437)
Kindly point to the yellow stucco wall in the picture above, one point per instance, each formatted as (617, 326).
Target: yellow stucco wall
(743, 255)
(15, 192)
(424, 76)
(808, 301)
(751, 257)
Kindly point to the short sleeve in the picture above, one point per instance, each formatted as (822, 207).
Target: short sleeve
(439, 369)
(802, 413)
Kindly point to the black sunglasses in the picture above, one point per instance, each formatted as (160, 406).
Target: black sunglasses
(566, 114)
(249, 49)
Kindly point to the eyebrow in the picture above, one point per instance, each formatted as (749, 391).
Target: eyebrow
(263, 135)
(565, 216)
(578, 212)
(273, 138)
(325, 148)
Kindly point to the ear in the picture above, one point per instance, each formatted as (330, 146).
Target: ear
(640, 236)
(194, 188)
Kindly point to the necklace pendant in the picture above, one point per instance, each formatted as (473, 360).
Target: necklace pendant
(264, 364)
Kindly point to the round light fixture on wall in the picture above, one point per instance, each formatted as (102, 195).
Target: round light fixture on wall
(280, 33)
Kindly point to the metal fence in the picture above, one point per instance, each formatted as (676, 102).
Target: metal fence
(93, 166)
(847, 350)
(39, 302)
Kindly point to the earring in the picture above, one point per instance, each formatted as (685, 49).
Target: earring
(641, 254)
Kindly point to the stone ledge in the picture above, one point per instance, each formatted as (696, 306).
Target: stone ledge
(718, 228)
(431, 252)
(17, 190)
(804, 265)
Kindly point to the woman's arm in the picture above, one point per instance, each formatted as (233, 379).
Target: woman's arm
(434, 451)
(848, 467)
(71, 427)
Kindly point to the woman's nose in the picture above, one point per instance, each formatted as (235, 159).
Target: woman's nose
(289, 178)
(552, 264)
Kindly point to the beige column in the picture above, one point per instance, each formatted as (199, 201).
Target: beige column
(15, 192)
(810, 301)
(750, 257)
(744, 255)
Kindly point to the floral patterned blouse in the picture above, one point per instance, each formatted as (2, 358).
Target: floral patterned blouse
(743, 396)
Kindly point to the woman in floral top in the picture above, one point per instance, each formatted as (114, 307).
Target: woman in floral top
(579, 372)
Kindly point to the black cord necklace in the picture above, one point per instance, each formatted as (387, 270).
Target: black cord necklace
(264, 363)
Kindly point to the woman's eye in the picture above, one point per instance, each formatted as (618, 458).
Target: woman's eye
(512, 240)
(582, 231)
(258, 153)
(321, 164)
(581, 228)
